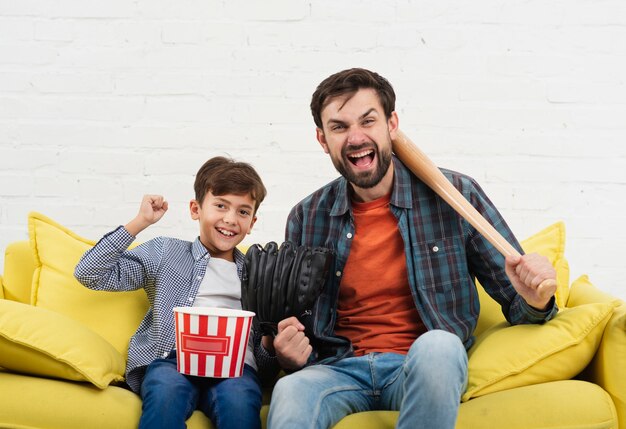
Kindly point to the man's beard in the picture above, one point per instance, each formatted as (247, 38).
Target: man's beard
(364, 180)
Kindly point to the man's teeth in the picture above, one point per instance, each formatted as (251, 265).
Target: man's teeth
(361, 154)
(227, 233)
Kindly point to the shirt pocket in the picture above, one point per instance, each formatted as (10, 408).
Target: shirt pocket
(440, 266)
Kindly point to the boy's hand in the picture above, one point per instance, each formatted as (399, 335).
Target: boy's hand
(151, 210)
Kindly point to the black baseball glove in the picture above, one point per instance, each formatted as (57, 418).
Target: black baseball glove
(280, 282)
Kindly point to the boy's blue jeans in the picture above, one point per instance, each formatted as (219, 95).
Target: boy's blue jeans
(169, 398)
(425, 386)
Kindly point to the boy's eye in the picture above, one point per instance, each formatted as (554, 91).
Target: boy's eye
(220, 205)
(244, 212)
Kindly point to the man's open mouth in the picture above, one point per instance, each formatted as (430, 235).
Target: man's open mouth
(362, 158)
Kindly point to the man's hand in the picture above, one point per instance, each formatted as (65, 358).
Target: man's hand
(291, 344)
(533, 277)
(151, 210)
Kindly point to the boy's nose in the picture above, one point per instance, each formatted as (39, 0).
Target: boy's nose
(229, 217)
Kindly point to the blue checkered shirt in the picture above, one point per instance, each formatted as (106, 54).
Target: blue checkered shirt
(169, 270)
(444, 256)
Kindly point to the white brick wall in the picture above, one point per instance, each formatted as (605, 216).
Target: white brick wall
(101, 102)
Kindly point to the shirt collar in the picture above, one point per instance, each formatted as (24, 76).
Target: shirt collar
(400, 194)
(199, 251)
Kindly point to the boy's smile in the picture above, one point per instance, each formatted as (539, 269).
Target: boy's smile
(224, 222)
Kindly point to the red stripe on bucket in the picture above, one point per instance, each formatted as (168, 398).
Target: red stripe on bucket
(221, 332)
(235, 359)
(177, 340)
(202, 330)
(187, 328)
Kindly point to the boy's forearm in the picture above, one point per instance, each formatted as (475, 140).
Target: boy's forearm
(135, 226)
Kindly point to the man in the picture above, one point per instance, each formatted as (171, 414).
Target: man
(391, 329)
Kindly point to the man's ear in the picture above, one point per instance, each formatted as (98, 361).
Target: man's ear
(194, 209)
(321, 138)
(392, 124)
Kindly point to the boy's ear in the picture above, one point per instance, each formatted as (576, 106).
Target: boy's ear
(252, 224)
(194, 209)
(321, 138)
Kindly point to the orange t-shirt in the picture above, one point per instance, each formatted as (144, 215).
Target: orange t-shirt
(376, 310)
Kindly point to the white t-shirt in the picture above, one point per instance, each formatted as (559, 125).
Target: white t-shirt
(221, 288)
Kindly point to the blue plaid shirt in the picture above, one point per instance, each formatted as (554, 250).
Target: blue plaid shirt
(444, 256)
(169, 270)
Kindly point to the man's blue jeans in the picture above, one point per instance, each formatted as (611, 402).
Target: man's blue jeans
(169, 398)
(425, 386)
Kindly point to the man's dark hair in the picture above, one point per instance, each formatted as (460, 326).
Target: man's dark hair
(349, 82)
(222, 176)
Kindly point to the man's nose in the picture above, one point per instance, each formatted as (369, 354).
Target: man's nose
(356, 136)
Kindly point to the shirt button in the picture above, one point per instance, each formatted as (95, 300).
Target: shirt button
(206, 256)
(165, 355)
(338, 273)
(199, 278)
(349, 235)
(435, 249)
(190, 299)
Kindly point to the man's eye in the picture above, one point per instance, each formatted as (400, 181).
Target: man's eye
(337, 127)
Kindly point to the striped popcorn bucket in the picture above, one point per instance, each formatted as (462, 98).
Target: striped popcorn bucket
(211, 342)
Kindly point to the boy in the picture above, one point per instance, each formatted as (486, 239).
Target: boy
(173, 272)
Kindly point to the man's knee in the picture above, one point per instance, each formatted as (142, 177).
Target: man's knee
(438, 343)
(438, 354)
(287, 386)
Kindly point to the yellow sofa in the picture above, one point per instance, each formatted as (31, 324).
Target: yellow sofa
(62, 350)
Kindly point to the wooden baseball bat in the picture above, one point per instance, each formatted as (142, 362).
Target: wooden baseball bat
(427, 172)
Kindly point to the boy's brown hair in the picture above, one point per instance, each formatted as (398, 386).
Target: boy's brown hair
(222, 176)
(349, 82)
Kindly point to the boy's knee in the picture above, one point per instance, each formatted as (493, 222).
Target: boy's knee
(164, 382)
(235, 389)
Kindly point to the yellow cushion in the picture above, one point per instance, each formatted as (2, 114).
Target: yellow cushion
(41, 342)
(47, 403)
(511, 356)
(113, 315)
(18, 271)
(564, 404)
(550, 242)
(587, 406)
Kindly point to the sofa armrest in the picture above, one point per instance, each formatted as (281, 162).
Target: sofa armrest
(608, 367)
(1, 289)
